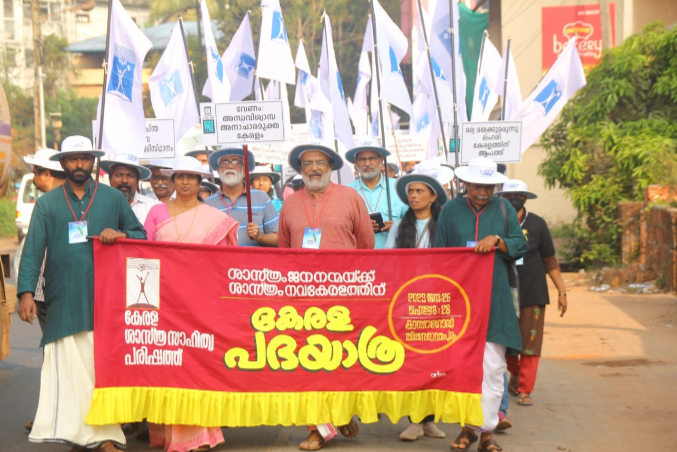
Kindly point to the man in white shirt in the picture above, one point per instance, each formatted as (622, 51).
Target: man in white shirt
(125, 173)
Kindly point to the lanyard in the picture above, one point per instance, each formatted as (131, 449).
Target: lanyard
(477, 216)
(526, 214)
(312, 224)
(423, 232)
(222, 196)
(367, 202)
(96, 186)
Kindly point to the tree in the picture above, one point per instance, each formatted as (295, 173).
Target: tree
(618, 135)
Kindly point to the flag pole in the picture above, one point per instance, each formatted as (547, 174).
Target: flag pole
(432, 76)
(485, 34)
(190, 65)
(103, 89)
(453, 82)
(256, 61)
(397, 148)
(247, 182)
(505, 80)
(380, 105)
(336, 148)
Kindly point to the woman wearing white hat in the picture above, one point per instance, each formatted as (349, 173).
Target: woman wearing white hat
(533, 288)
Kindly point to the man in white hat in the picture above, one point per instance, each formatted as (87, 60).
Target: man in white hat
(61, 222)
(162, 185)
(487, 224)
(124, 174)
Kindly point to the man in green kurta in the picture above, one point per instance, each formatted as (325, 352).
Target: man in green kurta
(61, 222)
(479, 221)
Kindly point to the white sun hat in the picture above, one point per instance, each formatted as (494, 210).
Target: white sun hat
(127, 160)
(188, 165)
(518, 187)
(42, 159)
(77, 144)
(480, 170)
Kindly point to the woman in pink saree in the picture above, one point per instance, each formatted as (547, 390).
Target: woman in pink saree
(186, 219)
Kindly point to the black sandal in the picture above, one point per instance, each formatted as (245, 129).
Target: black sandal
(484, 447)
(467, 435)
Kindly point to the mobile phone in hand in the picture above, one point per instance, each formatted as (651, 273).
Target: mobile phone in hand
(378, 218)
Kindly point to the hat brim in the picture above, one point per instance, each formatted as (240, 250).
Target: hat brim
(216, 155)
(95, 152)
(194, 153)
(406, 179)
(169, 172)
(463, 174)
(275, 177)
(296, 152)
(108, 165)
(351, 154)
(49, 164)
(528, 194)
(210, 185)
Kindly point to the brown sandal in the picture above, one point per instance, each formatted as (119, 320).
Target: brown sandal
(484, 447)
(313, 442)
(464, 435)
(108, 446)
(350, 430)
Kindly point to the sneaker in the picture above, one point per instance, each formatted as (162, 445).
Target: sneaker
(431, 430)
(503, 422)
(412, 433)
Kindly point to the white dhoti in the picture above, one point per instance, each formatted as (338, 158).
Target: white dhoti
(66, 390)
(494, 367)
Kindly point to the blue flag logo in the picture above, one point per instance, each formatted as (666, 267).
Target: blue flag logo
(340, 85)
(304, 77)
(394, 64)
(279, 33)
(316, 124)
(484, 93)
(437, 70)
(217, 63)
(549, 96)
(122, 73)
(423, 122)
(170, 87)
(246, 65)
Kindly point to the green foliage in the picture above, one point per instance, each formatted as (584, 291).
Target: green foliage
(618, 135)
(8, 214)
(56, 64)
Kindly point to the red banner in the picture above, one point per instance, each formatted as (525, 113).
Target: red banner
(201, 335)
(561, 23)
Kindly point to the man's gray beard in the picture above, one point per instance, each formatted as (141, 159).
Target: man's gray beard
(317, 185)
(231, 180)
(128, 194)
(369, 176)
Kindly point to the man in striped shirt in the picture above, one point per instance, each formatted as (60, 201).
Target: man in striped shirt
(232, 199)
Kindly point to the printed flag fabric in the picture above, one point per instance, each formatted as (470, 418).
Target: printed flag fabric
(302, 95)
(308, 337)
(275, 59)
(217, 87)
(488, 74)
(540, 109)
(124, 104)
(239, 61)
(171, 87)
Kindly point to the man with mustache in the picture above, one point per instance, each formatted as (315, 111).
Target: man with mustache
(323, 215)
(368, 158)
(61, 222)
(124, 174)
(487, 224)
(232, 199)
(162, 185)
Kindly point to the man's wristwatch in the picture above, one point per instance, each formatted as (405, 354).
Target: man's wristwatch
(498, 241)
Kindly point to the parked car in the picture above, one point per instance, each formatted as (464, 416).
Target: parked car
(25, 202)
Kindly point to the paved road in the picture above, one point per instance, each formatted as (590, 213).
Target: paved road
(607, 382)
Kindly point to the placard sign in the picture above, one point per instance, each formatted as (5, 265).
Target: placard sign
(160, 142)
(249, 122)
(409, 148)
(499, 141)
(208, 124)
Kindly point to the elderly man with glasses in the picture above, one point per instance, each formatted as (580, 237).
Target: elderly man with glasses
(232, 199)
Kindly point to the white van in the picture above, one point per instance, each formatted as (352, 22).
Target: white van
(25, 201)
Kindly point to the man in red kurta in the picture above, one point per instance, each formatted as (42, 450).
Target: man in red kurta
(323, 215)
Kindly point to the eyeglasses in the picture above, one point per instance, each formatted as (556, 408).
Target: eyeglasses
(230, 163)
(309, 163)
(372, 159)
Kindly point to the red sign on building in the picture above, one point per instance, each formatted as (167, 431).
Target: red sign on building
(561, 23)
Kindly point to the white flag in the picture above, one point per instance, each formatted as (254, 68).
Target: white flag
(513, 98)
(488, 74)
(540, 109)
(217, 87)
(440, 47)
(392, 45)
(171, 87)
(302, 96)
(239, 61)
(275, 60)
(124, 124)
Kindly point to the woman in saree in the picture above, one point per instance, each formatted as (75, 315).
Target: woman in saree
(186, 219)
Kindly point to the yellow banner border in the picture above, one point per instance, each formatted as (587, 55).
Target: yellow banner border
(178, 406)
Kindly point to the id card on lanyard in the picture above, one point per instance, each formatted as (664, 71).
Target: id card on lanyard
(312, 235)
(77, 230)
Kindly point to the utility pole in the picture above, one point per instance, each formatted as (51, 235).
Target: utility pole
(606, 24)
(37, 65)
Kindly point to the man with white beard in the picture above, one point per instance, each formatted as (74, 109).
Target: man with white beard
(368, 159)
(232, 199)
(323, 215)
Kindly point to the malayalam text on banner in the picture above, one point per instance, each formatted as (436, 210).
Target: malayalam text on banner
(287, 337)
(500, 141)
(249, 122)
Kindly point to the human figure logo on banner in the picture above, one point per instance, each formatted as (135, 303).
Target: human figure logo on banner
(143, 283)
